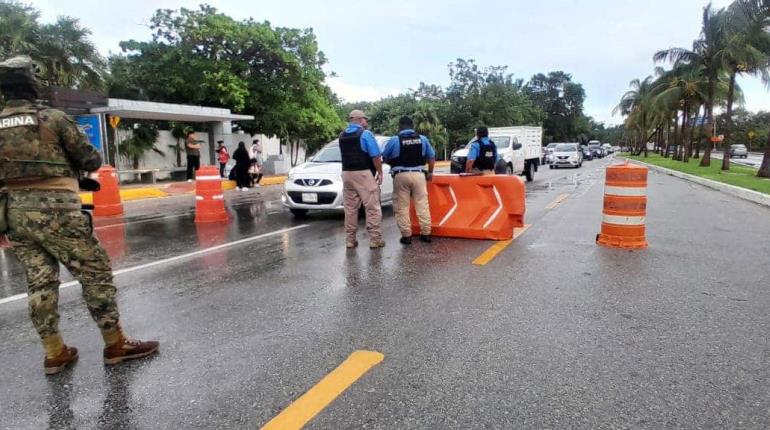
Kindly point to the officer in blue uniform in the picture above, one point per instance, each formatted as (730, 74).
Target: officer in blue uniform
(482, 155)
(408, 153)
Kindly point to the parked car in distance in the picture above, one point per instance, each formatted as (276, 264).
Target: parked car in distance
(587, 154)
(739, 151)
(596, 150)
(548, 152)
(317, 184)
(567, 155)
(608, 149)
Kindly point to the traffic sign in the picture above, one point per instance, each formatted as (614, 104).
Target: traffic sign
(114, 121)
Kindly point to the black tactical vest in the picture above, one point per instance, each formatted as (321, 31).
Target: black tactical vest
(410, 151)
(353, 157)
(487, 156)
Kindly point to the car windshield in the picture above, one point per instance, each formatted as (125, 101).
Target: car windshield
(737, 146)
(565, 148)
(551, 145)
(329, 154)
(502, 142)
(593, 146)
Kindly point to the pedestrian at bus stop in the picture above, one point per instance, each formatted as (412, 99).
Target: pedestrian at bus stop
(256, 162)
(482, 155)
(361, 179)
(242, 164)
(42, 154)
(407, 153)
(223, 156)
(193, 149)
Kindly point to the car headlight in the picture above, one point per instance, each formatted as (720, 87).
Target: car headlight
(290, 174)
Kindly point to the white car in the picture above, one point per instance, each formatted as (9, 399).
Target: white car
(567, 155)
(317, 184)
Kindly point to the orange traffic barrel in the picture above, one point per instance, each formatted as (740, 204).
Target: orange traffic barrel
(625, 207)
(107, 199)
(209, 198)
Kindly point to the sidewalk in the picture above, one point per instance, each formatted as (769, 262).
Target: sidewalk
(143, 191)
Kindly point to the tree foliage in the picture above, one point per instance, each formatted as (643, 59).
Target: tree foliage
(63, 50)
(204, 57)
(483, 96)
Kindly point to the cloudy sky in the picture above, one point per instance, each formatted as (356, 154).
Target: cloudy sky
(384, 47)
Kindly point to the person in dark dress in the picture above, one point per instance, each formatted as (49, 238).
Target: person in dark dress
(242, 164)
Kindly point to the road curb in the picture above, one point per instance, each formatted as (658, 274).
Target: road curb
(145, 193)
(741, 193)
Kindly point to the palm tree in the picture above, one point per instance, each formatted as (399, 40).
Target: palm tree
(179, 131)
(67, 56)
(18, 28)
(746, 51)
(143, 139)
(63, 50)
(704, 53)
(636, 105)
(686, 87)
(427, 122)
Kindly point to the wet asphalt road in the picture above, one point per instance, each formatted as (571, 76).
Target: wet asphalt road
(554, 333)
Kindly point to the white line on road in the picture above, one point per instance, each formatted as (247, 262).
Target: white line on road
(171, 259)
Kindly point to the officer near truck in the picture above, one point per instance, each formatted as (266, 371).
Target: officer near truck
(42, 153)
(407, 153)
(482, 154)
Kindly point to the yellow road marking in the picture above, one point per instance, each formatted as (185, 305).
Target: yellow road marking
(557, 201)
(299, 413)
(497, 248)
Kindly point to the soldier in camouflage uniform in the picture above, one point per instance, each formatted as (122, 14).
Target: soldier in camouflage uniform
(42, 153)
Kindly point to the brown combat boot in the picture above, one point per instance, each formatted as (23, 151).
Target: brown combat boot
(129, 349)
(68, 356)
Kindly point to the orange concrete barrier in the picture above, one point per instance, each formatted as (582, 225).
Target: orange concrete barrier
(209, 198)
(107, 200)
(475, 207)
(625, 207)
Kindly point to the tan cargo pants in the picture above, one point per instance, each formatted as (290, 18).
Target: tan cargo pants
(409, 186)
(359, 187)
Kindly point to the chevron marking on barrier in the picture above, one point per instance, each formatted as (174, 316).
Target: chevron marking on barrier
(498, 210)
(451, 211)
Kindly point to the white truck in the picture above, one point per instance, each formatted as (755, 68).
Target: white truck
(520, 148)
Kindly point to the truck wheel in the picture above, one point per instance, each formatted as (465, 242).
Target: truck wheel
(528, 172)
(299, 213)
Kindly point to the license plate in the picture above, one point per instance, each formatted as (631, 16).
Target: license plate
(309, 198)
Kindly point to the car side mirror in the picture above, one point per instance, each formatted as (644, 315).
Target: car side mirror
(516, 146)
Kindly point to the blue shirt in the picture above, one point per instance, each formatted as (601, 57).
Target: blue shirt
(473, 151)
(393, 150)
(368, 142)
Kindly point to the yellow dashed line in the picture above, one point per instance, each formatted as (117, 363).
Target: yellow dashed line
(304, 409)
(497, 248)
(557, 201)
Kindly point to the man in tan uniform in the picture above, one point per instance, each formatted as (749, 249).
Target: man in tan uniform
(42, 153)
(408, 153)
(361, 179)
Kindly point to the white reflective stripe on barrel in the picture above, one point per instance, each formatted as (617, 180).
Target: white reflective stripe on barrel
(219, 197)
(198, 197)
(625, 191)
(207, 178)
(623, 220)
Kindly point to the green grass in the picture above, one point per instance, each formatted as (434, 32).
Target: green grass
(740, 176)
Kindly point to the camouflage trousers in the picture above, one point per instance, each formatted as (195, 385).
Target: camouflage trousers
(47, 228)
